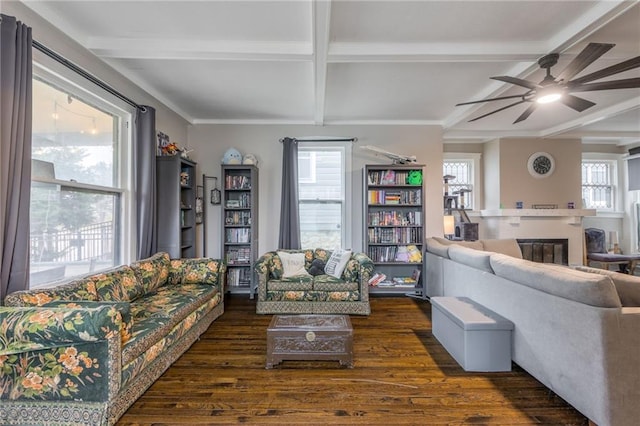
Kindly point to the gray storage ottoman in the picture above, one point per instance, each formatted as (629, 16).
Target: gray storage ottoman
(478, 338)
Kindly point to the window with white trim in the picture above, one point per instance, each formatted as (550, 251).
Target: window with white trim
(465, 170)
(598, 188)
(323, 196)
(78, 183)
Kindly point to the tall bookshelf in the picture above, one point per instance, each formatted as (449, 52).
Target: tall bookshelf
(175, 207)
(240, 227)
(394, 218)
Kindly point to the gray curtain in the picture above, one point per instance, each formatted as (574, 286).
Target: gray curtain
(145, 166)
(289, 211)
(15, 153)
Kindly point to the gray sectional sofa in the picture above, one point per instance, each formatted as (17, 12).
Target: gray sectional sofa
(577, 330)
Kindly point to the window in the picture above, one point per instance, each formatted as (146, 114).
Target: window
(323, 195)
(463, 167)
(77, 184)
(597, 184)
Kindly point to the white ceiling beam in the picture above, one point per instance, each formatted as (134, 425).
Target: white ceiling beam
(321, 27)
(434, 52)
(594, 117)
(133, 48)
(588, 23)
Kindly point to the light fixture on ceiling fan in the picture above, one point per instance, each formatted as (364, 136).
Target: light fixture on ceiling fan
(552, 89)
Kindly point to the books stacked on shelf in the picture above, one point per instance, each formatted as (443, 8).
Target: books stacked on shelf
(376, 279)
(238, 235)
(238, 277)
(238, 218)
(395, 235)
(394, 218)
(389, 177)
(395, 197)
(237, 182)
(240, 255)
(243, 201)
(406, 254)
(411, 281)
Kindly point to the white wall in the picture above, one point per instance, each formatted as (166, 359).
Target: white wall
(211, 141)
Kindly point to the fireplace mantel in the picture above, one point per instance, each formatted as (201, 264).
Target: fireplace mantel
(538, 212)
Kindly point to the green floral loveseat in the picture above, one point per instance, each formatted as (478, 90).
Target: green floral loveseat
(83, 352)
(309, 294)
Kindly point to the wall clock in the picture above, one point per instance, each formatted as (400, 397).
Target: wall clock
(541, 164)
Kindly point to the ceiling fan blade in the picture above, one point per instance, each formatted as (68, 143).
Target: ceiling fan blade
(498, 110)
(527, 112)
(492, 99)
(588, 55)
(606, 72)
(517, 81)
(575, 102)
(627, 83)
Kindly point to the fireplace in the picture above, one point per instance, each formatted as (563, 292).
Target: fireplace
(540, 225)
(545, 250)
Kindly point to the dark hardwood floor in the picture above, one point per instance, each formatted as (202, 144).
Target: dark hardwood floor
(402, 375)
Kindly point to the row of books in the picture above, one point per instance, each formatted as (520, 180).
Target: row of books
(389, 177)
(395, 235)
(389, 254)
(238, 255)
(238, 218)
(238, 235)
(242, 201)
(394, 218)
(238, 277)
(397, 196)
(237, 182)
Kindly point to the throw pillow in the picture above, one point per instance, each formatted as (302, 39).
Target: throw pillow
(337, 262)
(317, 267)
(292, 264)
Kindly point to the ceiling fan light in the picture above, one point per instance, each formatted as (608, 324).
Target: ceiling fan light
(548, 97)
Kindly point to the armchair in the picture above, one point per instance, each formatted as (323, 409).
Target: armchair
(596, 251)
(309, 294)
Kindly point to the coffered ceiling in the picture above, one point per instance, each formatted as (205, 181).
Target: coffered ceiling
(362, 62)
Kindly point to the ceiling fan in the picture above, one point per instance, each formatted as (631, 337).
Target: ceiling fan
(560, 88)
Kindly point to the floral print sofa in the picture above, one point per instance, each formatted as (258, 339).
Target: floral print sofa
(320, 294)
(83, 352)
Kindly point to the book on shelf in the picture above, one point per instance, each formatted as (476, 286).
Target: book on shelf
(377, 278)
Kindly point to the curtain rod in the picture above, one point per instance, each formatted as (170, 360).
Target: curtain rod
(64, 61)
(322, 140)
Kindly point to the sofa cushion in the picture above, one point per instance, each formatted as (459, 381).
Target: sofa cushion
(121, 311)
(293, 264)
(196, 271)
(79, 289)
(478, 259)
(299, 283)
(562, 281)
(117, 285)
(508, 246)
(437, 248)
(471, 244)
(330, 283)
(152, 272)
(627, 286)
(337, 262)
(275, 264)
